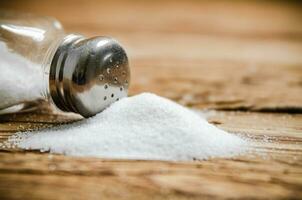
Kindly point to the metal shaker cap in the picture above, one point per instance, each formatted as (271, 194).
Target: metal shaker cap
(87, 75)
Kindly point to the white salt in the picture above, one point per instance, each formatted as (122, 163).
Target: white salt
(145, 126)
(20, 79)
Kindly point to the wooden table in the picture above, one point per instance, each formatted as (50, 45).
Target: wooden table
(240, 58)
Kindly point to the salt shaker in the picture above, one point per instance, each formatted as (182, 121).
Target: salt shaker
(76, 74)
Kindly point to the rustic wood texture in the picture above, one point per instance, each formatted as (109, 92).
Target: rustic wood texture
(242, 58)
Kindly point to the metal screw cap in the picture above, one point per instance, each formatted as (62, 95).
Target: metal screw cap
(87, 75)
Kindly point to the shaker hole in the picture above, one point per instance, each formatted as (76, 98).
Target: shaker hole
(101, 77)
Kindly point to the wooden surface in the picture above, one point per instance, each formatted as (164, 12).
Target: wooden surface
(242, 58)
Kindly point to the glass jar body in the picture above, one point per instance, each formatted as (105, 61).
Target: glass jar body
(27, 45)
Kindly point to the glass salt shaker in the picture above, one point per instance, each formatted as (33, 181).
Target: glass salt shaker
(38, 61)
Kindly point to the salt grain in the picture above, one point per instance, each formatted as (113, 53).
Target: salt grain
(145, 126)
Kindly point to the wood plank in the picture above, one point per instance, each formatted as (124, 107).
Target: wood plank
(246, 176)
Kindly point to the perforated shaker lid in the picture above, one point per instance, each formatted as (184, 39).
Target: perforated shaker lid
(87, 75)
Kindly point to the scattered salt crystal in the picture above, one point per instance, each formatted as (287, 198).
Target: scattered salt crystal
(145, 126)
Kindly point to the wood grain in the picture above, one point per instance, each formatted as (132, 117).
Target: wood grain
(242, 58)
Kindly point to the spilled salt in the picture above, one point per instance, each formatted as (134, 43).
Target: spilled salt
(145, 126)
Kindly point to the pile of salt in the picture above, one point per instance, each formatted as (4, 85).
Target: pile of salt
(145, 126)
